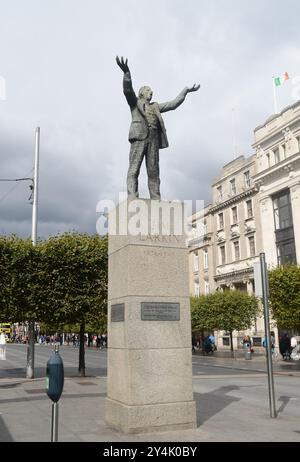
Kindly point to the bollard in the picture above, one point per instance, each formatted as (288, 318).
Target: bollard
(247, 351)
(54, 387)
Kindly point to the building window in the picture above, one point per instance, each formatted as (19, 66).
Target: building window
(251, 246)
(268, 160)
(232, 186)
(236, 246)
(286, 252)
(247, 179)
(226, 341)
(234, 215)
(222, 255)
(220, 192)
(298, 140)
(206, 288)
(196, 289)
(276, 156)
(196, 262)
(283, 147)
(257, 341)
(221, 221)
(249, 209)
(204, 226)
(284, 229)
(205, 259)
(282, 211)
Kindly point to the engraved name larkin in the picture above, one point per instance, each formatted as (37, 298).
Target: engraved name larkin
(161, 238)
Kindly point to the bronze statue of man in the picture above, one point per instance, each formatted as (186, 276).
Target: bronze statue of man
(147, 132)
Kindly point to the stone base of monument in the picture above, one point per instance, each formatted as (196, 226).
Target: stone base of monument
(149, 383)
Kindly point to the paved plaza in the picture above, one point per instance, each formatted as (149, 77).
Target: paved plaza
(231, 396)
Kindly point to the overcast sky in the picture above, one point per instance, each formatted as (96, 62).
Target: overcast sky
(58, 61)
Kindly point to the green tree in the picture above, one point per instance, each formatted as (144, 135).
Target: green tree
(284, 284)
(202, 313)
(18, 280)
(229, 311)
(61, 280)
(18, 268)
(236, 311)
(73, 282)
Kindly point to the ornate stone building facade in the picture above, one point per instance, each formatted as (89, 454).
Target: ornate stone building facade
(277, 145)
(202, 263)
(255, 208)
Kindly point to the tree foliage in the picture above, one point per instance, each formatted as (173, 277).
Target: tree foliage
(72, 279)
(61, 280)
(18, 279)
(229, 311)
(284, 285)
(202, 313)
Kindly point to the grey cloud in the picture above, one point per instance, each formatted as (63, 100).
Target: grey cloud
(58, 61)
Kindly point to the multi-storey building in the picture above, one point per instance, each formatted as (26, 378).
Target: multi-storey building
(236, 224)
(254, 209)
(201, 256)
(223, 257)
(277, 145)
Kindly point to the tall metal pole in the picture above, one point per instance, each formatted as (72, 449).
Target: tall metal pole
(54, 423)
(235, 147)
(265, 293)
(31, 333)
(35, 187)
(275, 97)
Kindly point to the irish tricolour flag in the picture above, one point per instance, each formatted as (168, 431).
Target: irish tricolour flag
(280, 80)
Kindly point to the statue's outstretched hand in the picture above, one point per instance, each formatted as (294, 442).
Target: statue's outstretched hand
(193, 88)
(122, 64)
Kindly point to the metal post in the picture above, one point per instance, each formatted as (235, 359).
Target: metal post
(30, 351)
(265, 293)
(54, 423)
(35, 187)
(31, 333)
(235, 147)
(275, 97)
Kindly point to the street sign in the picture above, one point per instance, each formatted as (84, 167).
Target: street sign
(258, 280)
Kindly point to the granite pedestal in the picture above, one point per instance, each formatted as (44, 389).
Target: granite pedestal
(149, 327)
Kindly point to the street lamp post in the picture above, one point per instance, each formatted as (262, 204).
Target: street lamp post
(31, 330)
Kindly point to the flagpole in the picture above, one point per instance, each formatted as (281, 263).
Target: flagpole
(234, 133)
(275, 96)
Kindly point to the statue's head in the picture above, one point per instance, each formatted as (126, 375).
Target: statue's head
(145, 93)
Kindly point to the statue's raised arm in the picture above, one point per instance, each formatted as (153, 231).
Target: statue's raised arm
(122, 64)
(175, 103)
(193, 88)
(127, 82)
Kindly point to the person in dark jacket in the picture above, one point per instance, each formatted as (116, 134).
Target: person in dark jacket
(285, 347)
(207, 345)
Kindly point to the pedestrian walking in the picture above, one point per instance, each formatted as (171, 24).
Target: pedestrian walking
(285, 347)
(213, 343)
(265, 344)
(247, 342)
(2, 347)
(98, 341)
(207, 345)
(294, 348)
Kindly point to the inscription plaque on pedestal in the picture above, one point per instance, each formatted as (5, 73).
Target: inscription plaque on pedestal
(118, 312)
(157, 311)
